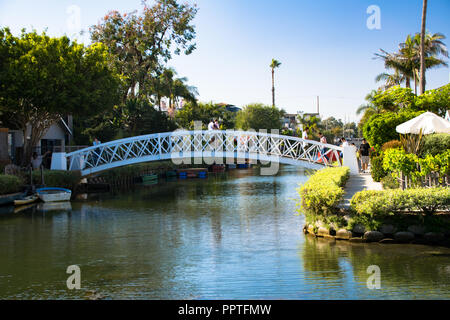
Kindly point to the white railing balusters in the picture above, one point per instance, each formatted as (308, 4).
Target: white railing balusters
(183, 144)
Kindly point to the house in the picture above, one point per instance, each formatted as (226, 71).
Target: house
(230, 107)
(290, 121)
(55, 139)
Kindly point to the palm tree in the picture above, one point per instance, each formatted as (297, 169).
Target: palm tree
(406, 62)
(400, 63)
(275, 64)
(390, 80)
(422, 48)
(369, 107)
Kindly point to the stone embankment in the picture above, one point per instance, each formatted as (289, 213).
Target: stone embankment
(388, 235)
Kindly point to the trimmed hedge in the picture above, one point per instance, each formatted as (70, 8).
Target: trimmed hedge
(321, 194)
(388, 202)
(10, 184)
(58, 178)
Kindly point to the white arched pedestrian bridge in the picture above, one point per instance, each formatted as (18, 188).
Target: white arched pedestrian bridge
(210, 146)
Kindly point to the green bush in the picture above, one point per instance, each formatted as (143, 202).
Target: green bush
(10, 184)
(398, 161)
(377, 171)
(434, 100)
(380, 128)
(321, 194)
(390, 182)
(57, 178)
(434, 144)
(373, 203)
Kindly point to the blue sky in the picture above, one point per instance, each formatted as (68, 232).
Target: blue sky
(325, 46)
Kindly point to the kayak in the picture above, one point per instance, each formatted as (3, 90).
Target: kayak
(10, 198)
(26, 200)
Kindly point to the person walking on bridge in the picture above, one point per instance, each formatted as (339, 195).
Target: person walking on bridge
(323, 150)
(305, 137)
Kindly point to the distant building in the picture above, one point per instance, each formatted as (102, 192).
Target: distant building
(230, 107)
(56, 138)
(290, 121)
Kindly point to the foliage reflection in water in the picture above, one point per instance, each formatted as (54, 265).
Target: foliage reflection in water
(231, 236)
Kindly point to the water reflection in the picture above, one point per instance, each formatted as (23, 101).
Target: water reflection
(407, 271)
(231, 236)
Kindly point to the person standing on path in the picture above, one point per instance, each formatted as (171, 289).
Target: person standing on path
(364, 150)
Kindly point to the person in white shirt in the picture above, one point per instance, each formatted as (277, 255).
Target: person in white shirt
(323, 150)
(305, 137)
(36, 160)
(211, 125)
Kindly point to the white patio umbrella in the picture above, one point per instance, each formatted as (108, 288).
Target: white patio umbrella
(428, 122)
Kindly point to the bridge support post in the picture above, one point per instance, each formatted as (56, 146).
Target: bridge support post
(59, 161)
(350, 160)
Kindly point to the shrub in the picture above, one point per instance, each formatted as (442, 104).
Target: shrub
(390, 182)
(439, 164)
(393, 144)
(10, 184)
(380, 128)
(435, 143)
(321, 194)
(398, 161)
(377, 170)
(388, 202)
(58, 178)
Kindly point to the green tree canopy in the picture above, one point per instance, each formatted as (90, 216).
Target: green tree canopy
(141, 42)
(380, 128)
(436, 100)
(258, 116)
(44, 78)
(204, 112)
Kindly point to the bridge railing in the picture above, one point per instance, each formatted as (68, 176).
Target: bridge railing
(217, 143)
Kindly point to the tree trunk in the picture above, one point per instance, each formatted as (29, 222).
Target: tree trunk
(408, 82)
(415, 83)
(273, 87)
(422, 48)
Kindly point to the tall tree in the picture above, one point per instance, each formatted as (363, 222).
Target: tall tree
(406, 62)
(43, 79)
(140, 43)
(273, 65)
(258, 116)
(422, 48)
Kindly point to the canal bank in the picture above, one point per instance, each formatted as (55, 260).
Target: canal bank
(231, 236)
(340, 206)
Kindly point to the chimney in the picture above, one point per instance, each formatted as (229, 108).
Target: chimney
(318, 105)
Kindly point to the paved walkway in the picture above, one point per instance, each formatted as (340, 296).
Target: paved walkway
(358, 183)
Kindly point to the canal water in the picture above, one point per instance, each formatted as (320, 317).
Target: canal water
(231, 236)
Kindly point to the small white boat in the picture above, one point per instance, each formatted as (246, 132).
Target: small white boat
(54, 194)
